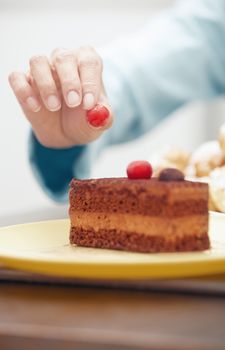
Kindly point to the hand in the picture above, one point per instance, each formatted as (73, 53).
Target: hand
(56, 95)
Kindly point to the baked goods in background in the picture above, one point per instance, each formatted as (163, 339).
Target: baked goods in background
(170, 156)
(217, 189)
(206, 158)
(222, 138)
(205, 164)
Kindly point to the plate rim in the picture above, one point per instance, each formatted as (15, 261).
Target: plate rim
(40, 264)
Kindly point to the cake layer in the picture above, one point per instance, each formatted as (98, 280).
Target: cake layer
(195, 224)
(151, 198)
(132, 241)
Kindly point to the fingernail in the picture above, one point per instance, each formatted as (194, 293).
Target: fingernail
(88, 101)
(33, 104)
(73, 99)
(53, 103)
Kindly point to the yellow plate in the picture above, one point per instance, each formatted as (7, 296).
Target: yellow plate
(43, 247)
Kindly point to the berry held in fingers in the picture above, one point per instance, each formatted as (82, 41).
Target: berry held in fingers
(98, 115)
(139, 169)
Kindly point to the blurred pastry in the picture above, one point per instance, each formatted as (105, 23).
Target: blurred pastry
(222, 138)
(170, 157)
(217, 188)
(160, 164)
(190, 172)
(176, 155)
(211, 204)
(206, 158)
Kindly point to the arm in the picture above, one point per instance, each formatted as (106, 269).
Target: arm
(178, 58)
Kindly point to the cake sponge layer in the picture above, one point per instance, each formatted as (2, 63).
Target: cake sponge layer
(144, 197)
(132, 241)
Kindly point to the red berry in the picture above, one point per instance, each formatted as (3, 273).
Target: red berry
(98, 115)
(139, 169)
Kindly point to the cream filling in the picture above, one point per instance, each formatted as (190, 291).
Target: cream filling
(192, 224)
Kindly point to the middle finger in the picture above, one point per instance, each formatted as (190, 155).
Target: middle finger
(65, 64)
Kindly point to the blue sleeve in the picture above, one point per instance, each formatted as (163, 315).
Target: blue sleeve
(176, 59)
(53, 168)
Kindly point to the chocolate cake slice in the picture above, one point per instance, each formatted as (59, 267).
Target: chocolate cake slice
(143, 215)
